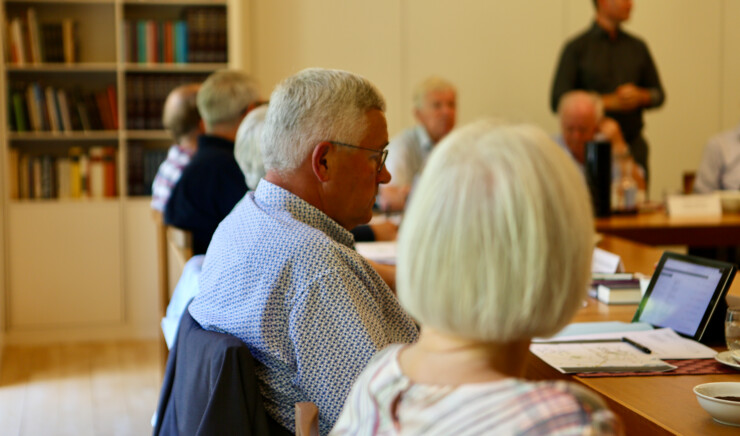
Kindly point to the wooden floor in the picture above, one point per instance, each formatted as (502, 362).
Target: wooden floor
(79, 389)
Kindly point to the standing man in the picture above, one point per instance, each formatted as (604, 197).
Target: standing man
(435, 108)
(618, 66)
(212, 183)
(282, 273)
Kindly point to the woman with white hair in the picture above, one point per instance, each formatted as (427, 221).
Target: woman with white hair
(494, 250)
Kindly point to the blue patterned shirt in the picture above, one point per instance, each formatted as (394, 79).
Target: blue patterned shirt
(284, 278)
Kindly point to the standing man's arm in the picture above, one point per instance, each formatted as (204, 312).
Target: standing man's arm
(566, 76)
(651, 82)
(648, 93)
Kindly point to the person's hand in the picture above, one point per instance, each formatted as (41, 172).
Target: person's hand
(393, 198)
(632, 97)
(611, 131)
(385, 231)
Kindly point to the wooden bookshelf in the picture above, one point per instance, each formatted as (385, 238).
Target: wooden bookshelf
(76, 264)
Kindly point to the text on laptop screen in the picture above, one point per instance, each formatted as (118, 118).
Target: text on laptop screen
(681, 295)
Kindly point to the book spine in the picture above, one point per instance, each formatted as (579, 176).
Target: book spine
(33, 110)
(69, 41)
(51, 108)
(141, 37)
(64, 110)
(13, 173)
(113, 104)
(75, 174)
(109, 172)
(18, 46)
(24, 177)
(19, 108)
(96, 173)
(34, 37)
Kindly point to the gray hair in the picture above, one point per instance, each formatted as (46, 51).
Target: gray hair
(577, 96)
(246, 146)
(430, 84)
(315, 105)
(224, 96)
(513, 261)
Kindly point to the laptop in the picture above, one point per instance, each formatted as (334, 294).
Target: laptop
(687, 294)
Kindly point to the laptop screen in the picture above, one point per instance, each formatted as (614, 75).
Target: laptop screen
(684, 294)
(681, 295)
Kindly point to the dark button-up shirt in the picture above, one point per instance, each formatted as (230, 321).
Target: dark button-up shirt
(593, 61)
(209, 188)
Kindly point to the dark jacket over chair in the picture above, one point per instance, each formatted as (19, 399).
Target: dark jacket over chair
(210, 387)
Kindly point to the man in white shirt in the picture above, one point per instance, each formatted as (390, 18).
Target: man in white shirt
(435, 110)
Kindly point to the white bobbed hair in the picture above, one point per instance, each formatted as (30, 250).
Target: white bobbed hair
(497, 241)
(315, 105)
(246, 146)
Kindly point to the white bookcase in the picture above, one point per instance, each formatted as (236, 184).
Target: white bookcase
(85, 268)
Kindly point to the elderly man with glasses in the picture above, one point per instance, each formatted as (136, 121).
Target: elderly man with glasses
(281, 272)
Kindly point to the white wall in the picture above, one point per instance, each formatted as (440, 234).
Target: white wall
(502, 56)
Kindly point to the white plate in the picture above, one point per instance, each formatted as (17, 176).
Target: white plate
(726, 358)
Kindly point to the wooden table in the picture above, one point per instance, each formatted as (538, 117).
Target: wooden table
(647, 405)
(657, 228)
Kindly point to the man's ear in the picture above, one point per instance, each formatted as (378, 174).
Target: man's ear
(320, 161)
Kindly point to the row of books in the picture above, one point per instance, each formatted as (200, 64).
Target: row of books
(78, 175)
(35, 107)
(199, 37)
(143, 164)
(145, 96)
(29, 41)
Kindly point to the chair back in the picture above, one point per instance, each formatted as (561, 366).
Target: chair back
(209, 386)
(174, 248)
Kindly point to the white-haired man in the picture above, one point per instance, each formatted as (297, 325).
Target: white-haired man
(212, 183)
(435, 106)
(582, 120)
(281, 272)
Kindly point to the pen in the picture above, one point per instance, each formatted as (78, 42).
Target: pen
(642, 348)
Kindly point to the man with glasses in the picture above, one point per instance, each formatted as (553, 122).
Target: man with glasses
(281, 272)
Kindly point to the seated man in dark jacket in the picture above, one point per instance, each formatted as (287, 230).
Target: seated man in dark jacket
(212, 183)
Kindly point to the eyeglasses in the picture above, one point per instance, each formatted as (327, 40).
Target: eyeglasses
(382, 154)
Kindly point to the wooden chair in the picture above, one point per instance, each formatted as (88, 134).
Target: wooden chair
(306, 419)
(174, 248)
(688, 182)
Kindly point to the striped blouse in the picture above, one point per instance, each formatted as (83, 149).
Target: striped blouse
(383, 401)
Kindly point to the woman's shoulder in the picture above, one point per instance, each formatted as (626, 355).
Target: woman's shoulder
(565, 407)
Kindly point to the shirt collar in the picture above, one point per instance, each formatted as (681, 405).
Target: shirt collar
(274, 197)
(599, 31)
(424, 140)
(211, 141)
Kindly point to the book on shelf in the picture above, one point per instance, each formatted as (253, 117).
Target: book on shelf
(34, 37)
(33, 41)
(52, 42)
(146, 94)
(143, 164)
(76, 175)
(17, 41)
(13, 175)
(39, 109)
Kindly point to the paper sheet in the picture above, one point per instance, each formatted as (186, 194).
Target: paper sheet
(664, 343)
(599, 357)
(381, 252)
